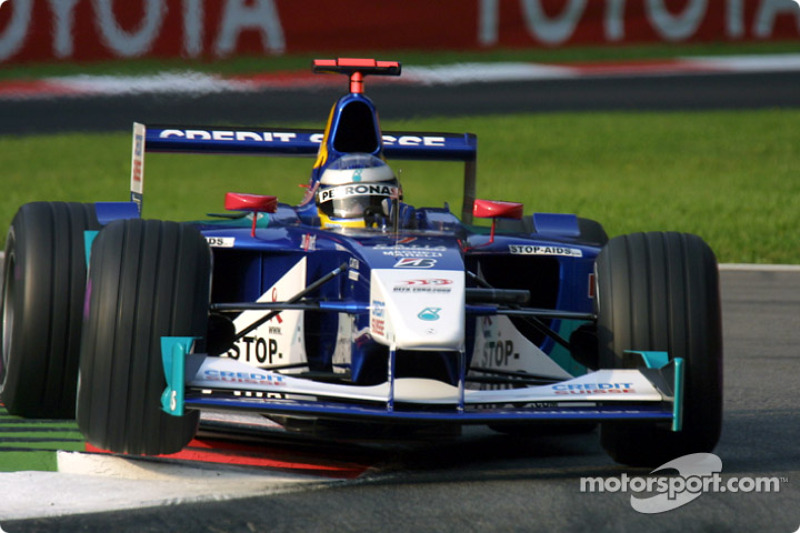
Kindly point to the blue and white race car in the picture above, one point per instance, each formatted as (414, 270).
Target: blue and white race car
(355, 306)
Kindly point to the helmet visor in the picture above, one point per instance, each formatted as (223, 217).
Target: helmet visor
(355, 199)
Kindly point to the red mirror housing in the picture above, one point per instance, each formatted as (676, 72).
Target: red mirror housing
(497, 209)
(237, 201)
(256, 203)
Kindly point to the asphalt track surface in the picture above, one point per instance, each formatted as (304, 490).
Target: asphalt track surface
(485, 481)
(490, 482)
(277, 107)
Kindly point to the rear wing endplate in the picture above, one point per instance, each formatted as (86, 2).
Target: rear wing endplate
(422, 146)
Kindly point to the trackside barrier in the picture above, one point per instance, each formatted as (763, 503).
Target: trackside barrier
(61, 30)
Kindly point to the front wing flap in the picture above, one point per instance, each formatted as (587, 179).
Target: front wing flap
(198, 381)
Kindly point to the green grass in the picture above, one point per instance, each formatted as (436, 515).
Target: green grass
(252, 64)
(730, 177)
(32, 444)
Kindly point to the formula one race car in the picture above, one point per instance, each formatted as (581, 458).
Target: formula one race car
(356, 307)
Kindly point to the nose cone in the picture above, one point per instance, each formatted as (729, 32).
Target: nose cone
(418, 309)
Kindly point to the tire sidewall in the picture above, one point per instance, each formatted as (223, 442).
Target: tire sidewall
(45, 270)
(8, 316)
(672, 307)
(121, 375)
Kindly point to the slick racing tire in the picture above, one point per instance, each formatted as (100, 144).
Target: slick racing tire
(148, 279)
(44, 280)
(660, 292)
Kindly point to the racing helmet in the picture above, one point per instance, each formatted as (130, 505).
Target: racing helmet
(354, 189)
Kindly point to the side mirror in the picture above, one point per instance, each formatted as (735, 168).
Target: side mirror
(495, 209)
(255, 203)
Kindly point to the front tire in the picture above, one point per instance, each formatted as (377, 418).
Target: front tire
(148, 279)
(44, 280)
(660, 292)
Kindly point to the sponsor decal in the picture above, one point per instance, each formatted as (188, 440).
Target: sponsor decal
(499, 354)
(431, 285)
(280, 340)
(411, 253)
(137, 165)
(254, 348)
(229, 135)
(400, 250)
(499, 345)
(377, 326)
(377, 322)
(205, 29)
(413, 262)
(429, 314)
(362, 189)
(593, 388)
(432, 281)
(534, 249)
(424, 248)
(221, 242)
(308, 242)
(413, 140)
(261, 378)
(274, 296)
(138, 151)
(287, 136)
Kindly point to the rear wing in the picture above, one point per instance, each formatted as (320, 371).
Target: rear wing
(422, 146)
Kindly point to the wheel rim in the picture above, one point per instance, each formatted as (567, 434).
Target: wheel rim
(8, 318)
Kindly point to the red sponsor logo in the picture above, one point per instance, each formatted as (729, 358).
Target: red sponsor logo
(419, 282)
(137, 170)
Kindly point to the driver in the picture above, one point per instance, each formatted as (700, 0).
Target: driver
(356, 191)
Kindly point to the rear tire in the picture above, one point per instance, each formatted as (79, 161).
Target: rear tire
(44, 281)
(148, 279)
(660, 292)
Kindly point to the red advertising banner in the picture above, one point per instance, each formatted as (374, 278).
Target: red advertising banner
(86, 30)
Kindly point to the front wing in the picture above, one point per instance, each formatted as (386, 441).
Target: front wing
(197, 381)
